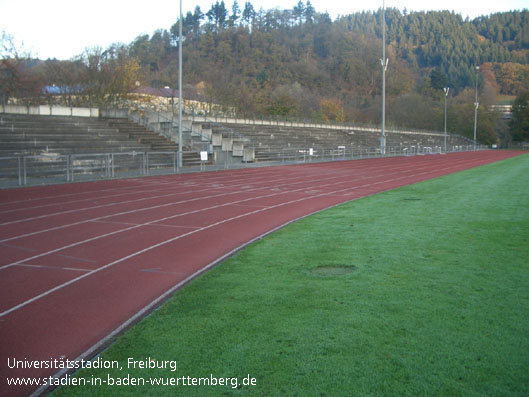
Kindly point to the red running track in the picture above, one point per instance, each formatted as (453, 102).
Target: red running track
(80, 262)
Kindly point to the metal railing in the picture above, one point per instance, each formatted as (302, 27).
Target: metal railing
(53, 169)
(44, 169)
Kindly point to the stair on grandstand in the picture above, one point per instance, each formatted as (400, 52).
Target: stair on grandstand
(32, 135)
(271, 142)
(156, 142)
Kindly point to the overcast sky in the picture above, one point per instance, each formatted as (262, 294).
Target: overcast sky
(64, 28)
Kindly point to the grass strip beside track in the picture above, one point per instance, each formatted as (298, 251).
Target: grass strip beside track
(423, 290)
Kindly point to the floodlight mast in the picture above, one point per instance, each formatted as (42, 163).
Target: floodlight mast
(446, 90)
(180, 88)
(476, 105)
(384, 62)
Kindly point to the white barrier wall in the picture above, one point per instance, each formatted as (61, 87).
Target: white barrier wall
(44, 110)
(15, 109)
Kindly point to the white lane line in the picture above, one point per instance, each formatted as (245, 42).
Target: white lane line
(75, 269)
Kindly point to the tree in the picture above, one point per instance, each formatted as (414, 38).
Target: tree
(198, 16)
(310, 12)
(513, 78)
(187, 27)
(217, 15)
(235, 14)
(65, 77)
(109, 76)
(248, 13)
(17, 80)
(438, 79)
(299, 11)
(520, 118)
(332, 110)
(284, 100)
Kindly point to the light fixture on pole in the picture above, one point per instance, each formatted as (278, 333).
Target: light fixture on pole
(476, 105)
(384, 62)
(446, 90)
(180, 42)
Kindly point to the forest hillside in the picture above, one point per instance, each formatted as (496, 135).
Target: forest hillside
(300, 64)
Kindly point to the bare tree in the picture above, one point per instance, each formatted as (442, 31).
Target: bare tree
(108, 76)
(17, 79)
(65, 79)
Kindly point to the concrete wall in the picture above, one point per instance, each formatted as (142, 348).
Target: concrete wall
(115, 113)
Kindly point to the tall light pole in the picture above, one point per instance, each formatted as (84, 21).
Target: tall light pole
(476, 105)
(446, 90)
(180, 42)
(384, 63)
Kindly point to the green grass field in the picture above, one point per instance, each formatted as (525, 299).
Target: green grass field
(423, 290)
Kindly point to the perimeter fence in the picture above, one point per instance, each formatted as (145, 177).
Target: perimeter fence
(54, 169)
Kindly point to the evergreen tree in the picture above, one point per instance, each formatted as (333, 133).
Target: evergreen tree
(248, 13)
(217, 15)
(235, 14)
(299, 12)
(198, 17)
(438, 79)
(310, 13)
